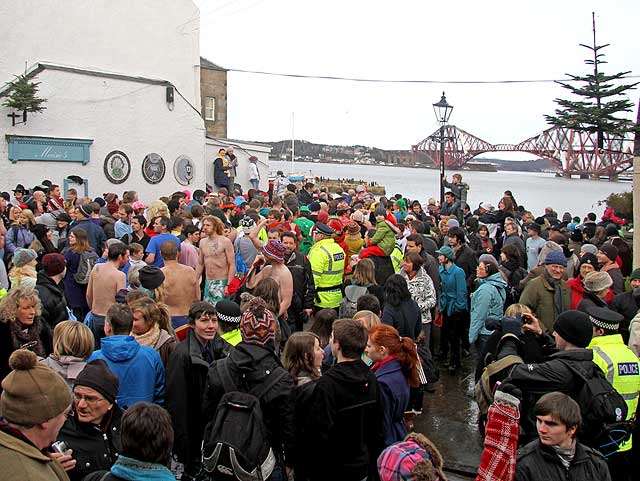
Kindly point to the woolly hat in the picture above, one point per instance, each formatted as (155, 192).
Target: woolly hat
(589, 259)
(151, 277)
(555, 257)
(21, 257)
(274, 251)
(323, 217)
(597, 281)
(574, 327)
(99, 377)
(258, 324)
(447, 252)
(85, 210)
(53, 264)
(32, 392)
(486, 206)
(588, 248)
(610, 251)
(380, 210)
(228, 311)
(314, 207)
(489, 259)
(612, 230)
(247, 224)
(353, 227)
(534, 227)
(453, 223)
(604, 318)
(415, 458)
(62, 216)
(357, 216)
(635, 274)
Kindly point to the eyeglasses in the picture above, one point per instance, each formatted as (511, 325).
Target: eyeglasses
(88, 399)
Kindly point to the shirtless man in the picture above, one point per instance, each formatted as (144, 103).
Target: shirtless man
(180, 287)
(216, 259)
(273, 254)
(105, 281)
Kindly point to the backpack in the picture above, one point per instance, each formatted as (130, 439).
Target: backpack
(484, 386)
(604, 412)
(513, 290)
(348, 303)
(87, 260)
(236, 446)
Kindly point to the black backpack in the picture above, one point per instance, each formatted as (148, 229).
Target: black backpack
(86, 262)
(513, 290)
(604, 412)
(236, 445)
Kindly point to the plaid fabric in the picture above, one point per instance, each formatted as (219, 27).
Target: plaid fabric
(396, 461)
(498, 461)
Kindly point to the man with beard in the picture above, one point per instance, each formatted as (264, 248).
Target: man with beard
(304, 289)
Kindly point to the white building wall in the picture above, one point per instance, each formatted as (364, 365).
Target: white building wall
(148, 38)
(242, 150)
(116, 114)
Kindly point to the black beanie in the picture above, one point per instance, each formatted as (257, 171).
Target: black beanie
(151, 277)
(99, 377)
(574, 327)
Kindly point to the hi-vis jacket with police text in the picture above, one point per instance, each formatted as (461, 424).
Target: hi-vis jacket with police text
(622, 369)
(327, 261)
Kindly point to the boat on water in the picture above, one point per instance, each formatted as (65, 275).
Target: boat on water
(480, 167)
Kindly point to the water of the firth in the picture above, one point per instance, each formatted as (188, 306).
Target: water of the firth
(533, 190)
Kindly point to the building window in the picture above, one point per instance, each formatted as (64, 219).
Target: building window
(210, 108)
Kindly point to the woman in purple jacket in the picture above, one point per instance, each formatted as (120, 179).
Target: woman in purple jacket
(396, 369)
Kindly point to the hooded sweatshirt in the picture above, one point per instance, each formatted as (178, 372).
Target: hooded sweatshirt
(139, 369)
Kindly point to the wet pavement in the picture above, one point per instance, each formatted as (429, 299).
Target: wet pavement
(449, 419)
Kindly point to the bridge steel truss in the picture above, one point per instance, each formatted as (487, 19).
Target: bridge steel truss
(574, 152)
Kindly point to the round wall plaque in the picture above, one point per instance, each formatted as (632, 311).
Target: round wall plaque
(183, 170)
(117, 167)
(153, 168)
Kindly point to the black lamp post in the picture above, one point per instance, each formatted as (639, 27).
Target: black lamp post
(443, 111)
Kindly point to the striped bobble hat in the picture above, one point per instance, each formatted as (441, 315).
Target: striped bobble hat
(274, 251)
(228, 311)
(258, 324)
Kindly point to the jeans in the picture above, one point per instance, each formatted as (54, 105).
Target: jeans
(255, 183)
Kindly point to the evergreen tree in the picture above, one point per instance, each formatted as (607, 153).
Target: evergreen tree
(22, 95)
(600, 100)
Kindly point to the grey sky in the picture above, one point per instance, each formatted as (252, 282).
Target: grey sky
(425, 40)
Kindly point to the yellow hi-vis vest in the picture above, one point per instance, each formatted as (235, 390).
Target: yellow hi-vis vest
(622, 369)
(327, 265)
(396, 259)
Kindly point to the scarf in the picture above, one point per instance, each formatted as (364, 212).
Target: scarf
(386, 360)
(149, 338)
(28, 338)
(558, 301)
(566, 455)
(132, 470)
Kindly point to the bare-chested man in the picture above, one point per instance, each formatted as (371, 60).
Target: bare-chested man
(180, 287)
(105, 281)
(273, 254)
(217, 260)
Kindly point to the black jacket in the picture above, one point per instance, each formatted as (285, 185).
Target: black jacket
(304, 289)
(54, 304)
(250, 365)
(627, 304)
(7, 346)
(186, 381)
(537, 462)
(94, 447)
(346, 424)
(467, 260)
(305, 197)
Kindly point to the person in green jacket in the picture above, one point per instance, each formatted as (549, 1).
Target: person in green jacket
(384, 237)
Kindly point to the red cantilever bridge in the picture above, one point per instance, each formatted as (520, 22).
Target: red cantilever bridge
(574, 152)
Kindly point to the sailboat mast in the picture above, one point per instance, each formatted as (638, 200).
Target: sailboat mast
(293, 140)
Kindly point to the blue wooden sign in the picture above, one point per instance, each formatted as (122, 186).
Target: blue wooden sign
(49, 149)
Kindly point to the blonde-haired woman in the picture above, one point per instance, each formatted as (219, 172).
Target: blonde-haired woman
(21, 326)
(157, 208)
(23, 273)
(72, 345)
(152, 327)
(20, 235)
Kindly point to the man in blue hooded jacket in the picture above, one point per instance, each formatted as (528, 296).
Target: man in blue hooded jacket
(139, 368)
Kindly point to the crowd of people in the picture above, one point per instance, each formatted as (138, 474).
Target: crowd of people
(296, 334)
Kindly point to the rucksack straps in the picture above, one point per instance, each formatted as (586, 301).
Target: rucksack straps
(222, 366)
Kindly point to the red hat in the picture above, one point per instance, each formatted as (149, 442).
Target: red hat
(274, 251)
(53, 264)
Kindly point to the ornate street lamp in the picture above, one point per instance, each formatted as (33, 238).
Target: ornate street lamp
(443, 110)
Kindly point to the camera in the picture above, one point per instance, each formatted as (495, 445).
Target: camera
(59, 447)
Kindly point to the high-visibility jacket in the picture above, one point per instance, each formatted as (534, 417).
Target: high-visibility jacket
(396, 259)
(622, 369)
(327, 261)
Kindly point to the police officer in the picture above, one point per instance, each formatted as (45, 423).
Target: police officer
(622, 369)
(396, 258)
(327, 265)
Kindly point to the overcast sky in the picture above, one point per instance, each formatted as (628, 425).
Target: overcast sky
(401, 40)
